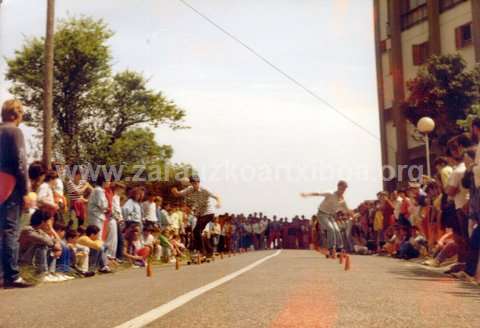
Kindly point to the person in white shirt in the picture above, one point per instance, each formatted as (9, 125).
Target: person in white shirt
(150, 209)
(211, 235)
(116, 242)
(475, 134)
(457, 220)
(45, 197)
(332, 203)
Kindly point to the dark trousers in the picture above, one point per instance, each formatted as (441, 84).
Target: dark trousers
(9, 232)
(473, 251)
(120, 242)
(460, 234)
(197, 232)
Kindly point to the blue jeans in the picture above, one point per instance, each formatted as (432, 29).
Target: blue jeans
(65, 261)
(97, 259)
(40, 257)
(9, 233)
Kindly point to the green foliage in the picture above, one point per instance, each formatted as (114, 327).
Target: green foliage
(467, 122)
(137, 147)
(445, 91)
(81, 64)
(97, 116)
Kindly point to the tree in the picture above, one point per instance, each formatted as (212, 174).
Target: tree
(137, 147)
(445, 91)
(124, 103)
(81, 64)
(92, 109)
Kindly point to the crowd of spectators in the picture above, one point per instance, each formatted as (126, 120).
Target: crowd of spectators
(74, 226)
(434, 220)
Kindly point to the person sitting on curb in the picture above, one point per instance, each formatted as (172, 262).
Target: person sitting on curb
(38, 246)
(97, 257)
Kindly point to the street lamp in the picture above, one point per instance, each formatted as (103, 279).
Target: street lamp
(426, 125)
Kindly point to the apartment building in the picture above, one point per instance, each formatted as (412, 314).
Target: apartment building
(407, 32)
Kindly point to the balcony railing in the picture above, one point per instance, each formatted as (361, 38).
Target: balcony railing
(414, 17)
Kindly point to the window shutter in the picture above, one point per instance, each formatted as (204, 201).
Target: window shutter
(458, 38)
(416, 49)
(383, 46)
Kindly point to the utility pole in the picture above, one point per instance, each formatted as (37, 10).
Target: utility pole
(48, 85)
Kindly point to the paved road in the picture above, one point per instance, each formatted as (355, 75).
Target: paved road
(293, 289)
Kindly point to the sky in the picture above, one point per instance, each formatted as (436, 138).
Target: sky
(261, 129)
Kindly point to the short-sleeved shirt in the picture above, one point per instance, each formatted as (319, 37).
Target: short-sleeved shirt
(198, 200)
(45, 194)
(332, 204)
(455, 180)
(445, 175)
(74, 190)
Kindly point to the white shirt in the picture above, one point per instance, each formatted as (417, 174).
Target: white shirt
(45, 194)
(398, 207)
(59, 188)
(148, 241)
(212, 229)
(149, 211)
(332, 203)
(116, 208)
(248, 227)
(455, 180)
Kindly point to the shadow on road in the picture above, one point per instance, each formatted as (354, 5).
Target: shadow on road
(464, 289)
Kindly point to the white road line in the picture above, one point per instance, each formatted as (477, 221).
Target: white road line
(157, 313)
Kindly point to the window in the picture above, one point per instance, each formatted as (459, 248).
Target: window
(420, 53)
(416, 3)
(410, 5)
(463, 36)
(448, 4)
(414, 15)
(383, 46)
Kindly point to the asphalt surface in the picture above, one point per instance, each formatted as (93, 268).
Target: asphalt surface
(293, 289)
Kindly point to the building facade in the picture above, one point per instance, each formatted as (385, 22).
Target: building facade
(407, 32)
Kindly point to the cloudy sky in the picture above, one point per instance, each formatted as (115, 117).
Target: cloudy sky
(257, 137)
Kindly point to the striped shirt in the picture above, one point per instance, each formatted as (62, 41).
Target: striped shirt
(198, 200)
(75, 191)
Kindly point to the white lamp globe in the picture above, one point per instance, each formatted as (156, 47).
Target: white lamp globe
(426, 125)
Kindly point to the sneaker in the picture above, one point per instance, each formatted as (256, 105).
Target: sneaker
(65, 276)
(431, 263)
(50, 278)
(61, 277)
(17, 283)
(105, 269)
